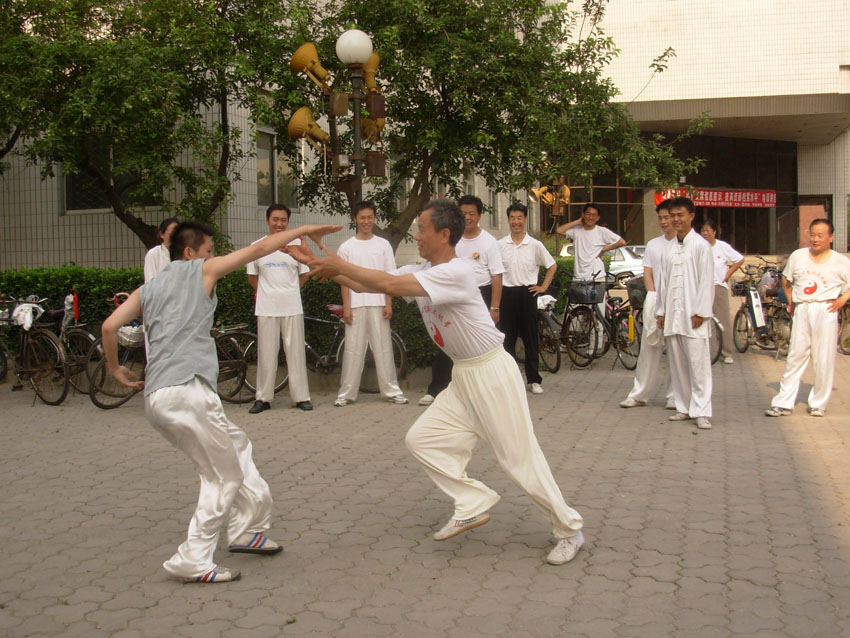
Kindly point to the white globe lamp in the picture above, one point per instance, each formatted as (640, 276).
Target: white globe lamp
(354, 47)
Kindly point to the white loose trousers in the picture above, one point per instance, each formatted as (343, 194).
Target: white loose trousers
(814, 334)
(649, 360)
(270, 332)
(690, 371)
(486, 399)
(191, 417)
(368, 328)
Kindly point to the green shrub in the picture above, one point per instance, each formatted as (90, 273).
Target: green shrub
(235, 300)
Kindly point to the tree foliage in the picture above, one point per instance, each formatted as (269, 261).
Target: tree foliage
(143, 94)
(514, 92)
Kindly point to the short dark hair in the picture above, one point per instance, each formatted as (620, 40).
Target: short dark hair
(165, 223)
(466, 200)
(592, 205)
(517, 206)
(711, 224)
(446, 214)
(363, 205)
(275, 207)
(683, 202)
(188, 234)
(665, 205)
(825, 221)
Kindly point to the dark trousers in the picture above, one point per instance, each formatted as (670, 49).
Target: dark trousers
(519, 319)
(441, 366)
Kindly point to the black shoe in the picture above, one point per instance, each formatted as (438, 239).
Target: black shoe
(259, 406)
(304, 405)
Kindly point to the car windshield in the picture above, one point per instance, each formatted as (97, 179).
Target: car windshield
(628, 253)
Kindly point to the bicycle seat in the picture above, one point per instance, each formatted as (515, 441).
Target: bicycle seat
(53, 315)
(335, 309)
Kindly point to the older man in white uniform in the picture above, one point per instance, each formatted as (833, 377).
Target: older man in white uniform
(485, 399)
(684, 310)
(817, 281)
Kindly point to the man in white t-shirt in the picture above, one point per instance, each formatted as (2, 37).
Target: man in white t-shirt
(367, 315)
(485, 399)
(652, 342)
(590, 242)
(481, 249)
(277, 279)
(817, 281)
(522, 257)
(726, 261)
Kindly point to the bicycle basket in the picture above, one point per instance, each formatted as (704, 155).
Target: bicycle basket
(636, 287)
(585, 292)
(739, 289)
(131, 336)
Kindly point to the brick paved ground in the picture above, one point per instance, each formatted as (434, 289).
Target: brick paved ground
(743, 530)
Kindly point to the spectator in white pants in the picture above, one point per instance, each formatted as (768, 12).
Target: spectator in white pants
(277, 280)
(684, 310)
(726, 261)
(817, 282)
(181, 403)
(367, 315)
(652, 342)
(485, 398)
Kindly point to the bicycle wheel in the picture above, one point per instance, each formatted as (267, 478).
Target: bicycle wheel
(78, 342)
(231, 371)
(105, 392)
(4, 364)
(843, 333)
(45, 365)
(781, 329)
(549, 347)
(248, 342)
(742, 330)
(369, 378)
(628, 341)
(578, 334)
(715, 340)
(519, 350)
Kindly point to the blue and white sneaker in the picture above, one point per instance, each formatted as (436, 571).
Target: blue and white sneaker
(254, 543)
(217, 574)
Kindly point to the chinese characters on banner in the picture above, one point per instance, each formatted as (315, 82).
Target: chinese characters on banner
(721, 198)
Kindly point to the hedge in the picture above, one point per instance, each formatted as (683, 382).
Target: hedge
(235, 300)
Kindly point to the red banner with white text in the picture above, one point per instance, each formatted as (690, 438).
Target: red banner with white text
(721, 198)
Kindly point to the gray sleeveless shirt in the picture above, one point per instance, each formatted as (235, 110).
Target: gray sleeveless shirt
(178, 315)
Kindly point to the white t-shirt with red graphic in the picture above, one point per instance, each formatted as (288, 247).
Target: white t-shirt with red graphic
(484, 254)
(811, 281)
(454, 312)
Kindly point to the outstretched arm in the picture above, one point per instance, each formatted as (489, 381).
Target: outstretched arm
(121, 316)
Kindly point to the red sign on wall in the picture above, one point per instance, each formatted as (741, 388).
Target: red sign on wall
(721, 198)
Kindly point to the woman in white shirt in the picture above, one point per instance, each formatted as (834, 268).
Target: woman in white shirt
(157, 257)
(726, 261)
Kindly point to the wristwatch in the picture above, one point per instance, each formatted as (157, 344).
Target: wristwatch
(494, 308)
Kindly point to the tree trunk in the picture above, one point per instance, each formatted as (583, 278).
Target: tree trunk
(419, 195)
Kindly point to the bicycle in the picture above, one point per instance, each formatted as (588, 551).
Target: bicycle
(40, 359)
(763, 319)
(584, 329)
(106, 393)
(844, 329)
(77, 341)
(548, 344)
(325, 359)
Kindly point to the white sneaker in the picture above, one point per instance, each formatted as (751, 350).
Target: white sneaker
(679, 416)
(456, 526)
(565, 550)
(398, 399)
(670, 405)
(426, 400)
(631, 403)
(703, 423)
(817, 412)
(728, 360)
(340, 402)
(535, 388)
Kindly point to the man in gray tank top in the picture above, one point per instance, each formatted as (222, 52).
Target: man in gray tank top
(181, 401)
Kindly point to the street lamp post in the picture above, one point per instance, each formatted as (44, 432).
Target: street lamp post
(354, 49)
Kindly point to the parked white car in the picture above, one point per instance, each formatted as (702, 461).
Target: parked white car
(625, 263)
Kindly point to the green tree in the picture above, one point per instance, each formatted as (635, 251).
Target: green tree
(512, 91)
(147, 95)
